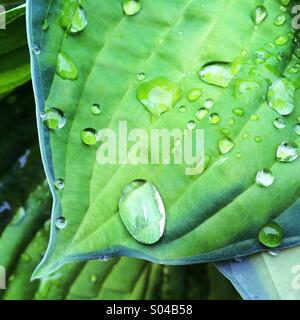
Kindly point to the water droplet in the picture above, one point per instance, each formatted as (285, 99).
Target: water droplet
(259, 14)
(209, 103)
(201, 113)
(218, 74)
(59, 184)
(89, 136)
(182, 109)
(61, 223)
(225, 145)
(280, 20)
(45, 25)
(96, 109)
(264, 178)
(238, 259)
(194, 94)
(293, 70)
(281, 96)
(93, 278)
(19, 216)
(238, 156)
(132, 7)
(142, 211)
(297, 129)
(191, 125)
(274, 253)
(244, 87)
(282, 40)
(285, 2)
(271, 235)
(258, 139)
(231, 122)
(159, 95)
(36, 49)
(141, 76)
(25, 257)
(254, 117)
(73, 17)
(239, 112)
(245, 135)
(66, 68)
(104, 258)
(279, 123)
(214, 118)
(53, 118)
(287, 152)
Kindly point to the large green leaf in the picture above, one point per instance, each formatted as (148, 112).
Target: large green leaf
(14, 57)
(214, 216)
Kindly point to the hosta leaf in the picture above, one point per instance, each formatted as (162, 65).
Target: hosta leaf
(267, 276)
(214, 216)
(14, 57)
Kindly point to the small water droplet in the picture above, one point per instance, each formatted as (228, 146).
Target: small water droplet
(142, 211)
(279, 123)
(240, 112)
(209, 103)
(271, 235)
(225, 145)
(282, 40)
(238, 156)
(19, 216)
(194, 94)
(104, 258)
(245, 135)
(36, 49)
(259, 14)
(285, 2)
(287, 152)
(61, 223)
(264, 178)
(25, 257)
(218, 74)
(274, 253)
(53, 118)
(96, 109)
(59, 184)
(214, 118)
(201, 113)
(182, 109)
(141, 76)
(280, 20)
(132, 7)
(191, 125)
(238, 259)
(159, 95)
(93, 278)
(45, 25)
(66, 68)
(297, 129)
(258, 139)
(293, 70)
(89, 136)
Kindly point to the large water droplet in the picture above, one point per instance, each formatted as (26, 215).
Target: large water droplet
(142, 211)
(281, 96)
(73, 17)
(61, 222)
(259, 14)
(271, 235)
(89, 136)
(159, 95)
(225, 145)
(19, 216)
(218, 74)
(132, 7)
(287, 152)
(264, 178)
(66, 68)
(54, 118)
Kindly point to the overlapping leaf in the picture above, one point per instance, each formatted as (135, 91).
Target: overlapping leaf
(211, 217)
